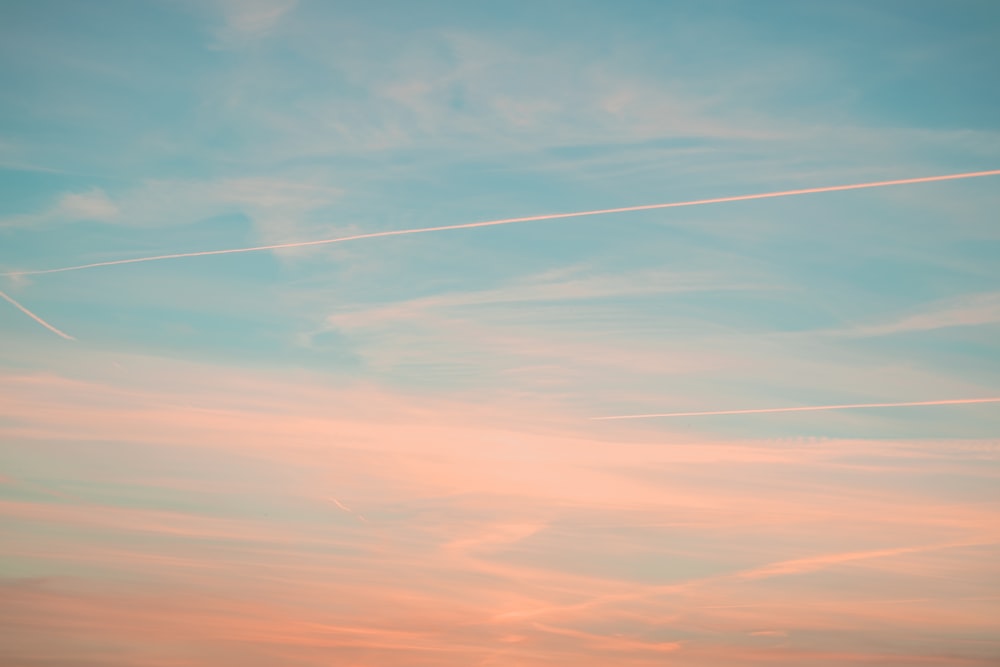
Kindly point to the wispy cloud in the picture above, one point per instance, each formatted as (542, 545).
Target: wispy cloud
(510, 221)
(572, 284)
(966, 311)
(89, 205)
(379, 453)
(166, 203)
(803, 565)
(498, 531)
(810, 408)
(248, 19)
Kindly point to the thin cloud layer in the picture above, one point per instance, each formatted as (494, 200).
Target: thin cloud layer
(811, 408)
(414, 248)
(433, 530)
(510, 221)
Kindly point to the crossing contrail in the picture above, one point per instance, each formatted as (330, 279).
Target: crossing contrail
(9, 299)
(510, 221)
(807, 408)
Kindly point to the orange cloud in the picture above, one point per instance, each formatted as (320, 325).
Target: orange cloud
(211, 517)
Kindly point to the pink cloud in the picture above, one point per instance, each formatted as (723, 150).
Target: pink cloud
(211, 516)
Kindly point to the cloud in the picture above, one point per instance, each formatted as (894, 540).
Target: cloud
(417, 482)
(493, 529)
(454, 90)
(964, 311)
(91, 205)
(810, 408)
(558, 285)
(279, 209)
(85, 206)
(249, 19)
(804, 565)
(254, 197)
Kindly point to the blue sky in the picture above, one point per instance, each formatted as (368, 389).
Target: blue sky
(131, 129)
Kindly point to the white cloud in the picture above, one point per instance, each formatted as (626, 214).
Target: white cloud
(278, 208)
(91, 205)
(463, 91)
(245, 19)
(966, 311)
(554, 286)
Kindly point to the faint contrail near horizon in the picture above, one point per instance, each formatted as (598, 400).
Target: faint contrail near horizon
(9, 299)
(346, 508)
(807, 408)
(510, 221)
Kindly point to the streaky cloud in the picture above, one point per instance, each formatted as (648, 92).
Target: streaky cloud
(807, 408)
(510, 221)
(9, 299)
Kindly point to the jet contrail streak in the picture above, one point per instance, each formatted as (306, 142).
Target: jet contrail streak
(510, 221)
(347, 509)
(341, 505)
(9, 299)
(807, 408)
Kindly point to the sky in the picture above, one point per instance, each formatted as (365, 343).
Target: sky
(390, 450)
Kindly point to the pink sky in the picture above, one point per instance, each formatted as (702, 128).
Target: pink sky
(535, 333)
(170, 513)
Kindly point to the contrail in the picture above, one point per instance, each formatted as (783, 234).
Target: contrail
(341, 505)
(347, 509)
(510, 221)
(807, 408)
(9, 299)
